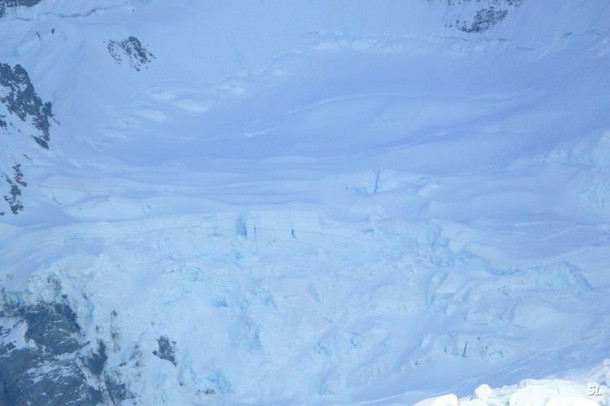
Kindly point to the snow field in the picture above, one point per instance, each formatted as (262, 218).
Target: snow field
(343, 204)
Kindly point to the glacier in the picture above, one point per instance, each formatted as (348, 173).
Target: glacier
(305, 202)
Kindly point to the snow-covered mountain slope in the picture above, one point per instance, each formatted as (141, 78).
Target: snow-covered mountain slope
(24, 121)
(307, 202)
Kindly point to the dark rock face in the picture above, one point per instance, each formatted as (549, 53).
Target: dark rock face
(54, 365)
(488, 14)
(6, 4)
(61, 384)
(53, 327)
(96, 361)
(167, 350)
(14, 192)
(24, 111)
(45, 371)
(130, 51)
(21, 100)
(483, 20)
(117, 390)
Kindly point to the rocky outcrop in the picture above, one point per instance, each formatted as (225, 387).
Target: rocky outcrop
(22, 114)
(484, 15)
(42, 357)
(47, 359)
(6, 4)
(21, 100)
(167, 350)
(130, 51)
(15, 181)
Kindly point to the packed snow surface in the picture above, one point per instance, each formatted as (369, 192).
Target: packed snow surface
(323, 202)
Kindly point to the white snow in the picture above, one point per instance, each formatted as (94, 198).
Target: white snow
(325, 202)
(546, 392)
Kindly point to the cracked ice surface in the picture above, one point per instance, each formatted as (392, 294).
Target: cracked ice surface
(361, 206)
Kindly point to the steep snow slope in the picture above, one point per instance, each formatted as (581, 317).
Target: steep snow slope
(309, 201)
